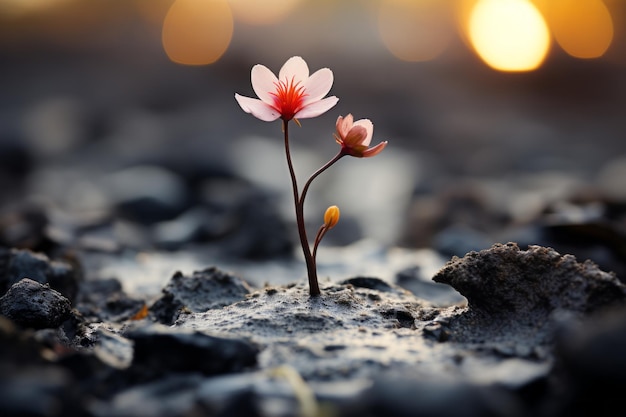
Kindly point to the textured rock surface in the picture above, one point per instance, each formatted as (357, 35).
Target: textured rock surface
(525, 292)
(16, 264)
(160, 350)
(31, 304)
(203, 290)
(507, 280)
(364, 347)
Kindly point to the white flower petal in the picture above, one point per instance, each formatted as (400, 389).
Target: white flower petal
(317, 108)
(263, 82)
(369, 127)
(318, 85)
(257, 108)
(295, 68)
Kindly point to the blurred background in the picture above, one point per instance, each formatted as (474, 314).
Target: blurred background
(505, 121)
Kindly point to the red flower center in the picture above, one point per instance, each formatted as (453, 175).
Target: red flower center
(288, 98)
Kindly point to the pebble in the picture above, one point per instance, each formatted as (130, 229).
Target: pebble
(161, 350)
(16, 264)
(147, 193)
(31, 304)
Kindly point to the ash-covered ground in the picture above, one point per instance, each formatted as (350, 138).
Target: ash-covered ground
(150, 266)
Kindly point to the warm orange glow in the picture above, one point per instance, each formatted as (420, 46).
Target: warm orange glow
(415, 30)
(583, 28)
(463, 11)
(197, 32)
(62, 22)
(153, 11)
(262, 12)
(20, 7)
(509, 35)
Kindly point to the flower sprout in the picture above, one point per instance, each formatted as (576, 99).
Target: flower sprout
(331, 217)
(293, 95)
(355, 137)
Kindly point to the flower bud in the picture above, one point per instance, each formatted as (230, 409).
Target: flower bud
(331, 217)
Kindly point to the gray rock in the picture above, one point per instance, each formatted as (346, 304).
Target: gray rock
(171, 396)
(31, 304)
(521, 292)
(147, 194)
(507, 280)
(203, 290)
(161, 350)
(409, 397)
(105, 300)
(16, 264)
(592, 364)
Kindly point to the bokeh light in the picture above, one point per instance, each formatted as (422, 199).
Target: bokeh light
(152, 11)
(20, 7)
(509, 35)
(197, 32)
(582, 28)
(263, 12)
(415, 30)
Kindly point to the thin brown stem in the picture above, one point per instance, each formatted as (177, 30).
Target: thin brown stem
(320, 235)
(316, 173)
(314, 288)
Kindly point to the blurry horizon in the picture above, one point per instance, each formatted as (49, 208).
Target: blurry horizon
(425, 71)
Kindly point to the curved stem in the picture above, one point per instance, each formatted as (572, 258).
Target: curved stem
(316, 173)
(318, 239)
(314, 288)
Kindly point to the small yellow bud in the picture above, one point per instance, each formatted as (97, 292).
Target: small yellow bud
(331, 217)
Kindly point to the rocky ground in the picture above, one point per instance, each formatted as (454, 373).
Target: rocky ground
(149, 264)
(535, 333)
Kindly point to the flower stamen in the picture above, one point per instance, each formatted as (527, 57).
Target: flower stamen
(288, 97)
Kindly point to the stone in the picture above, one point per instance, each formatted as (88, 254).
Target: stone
(160, 350)
(522, 292)
(203, 290)
(31, 304)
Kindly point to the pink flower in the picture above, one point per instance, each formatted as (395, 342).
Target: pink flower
(355, 137)
(293, 95)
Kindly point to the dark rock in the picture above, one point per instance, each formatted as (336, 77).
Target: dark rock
(24, 227)
(39, 392)
(436, 331)
(160, 350)
(112, 349)
(166, 309)
(249, 394)
(105, 300)
(368, 282)
(203, 290)
(147, 194)
(15, 349)
(257, 228)
(591, 366)
(31, 304)
(16, 264)
(455, 219)
(199, 224)
(410, 397)
(170, 396)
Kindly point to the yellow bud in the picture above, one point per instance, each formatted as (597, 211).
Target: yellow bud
(331, 217)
